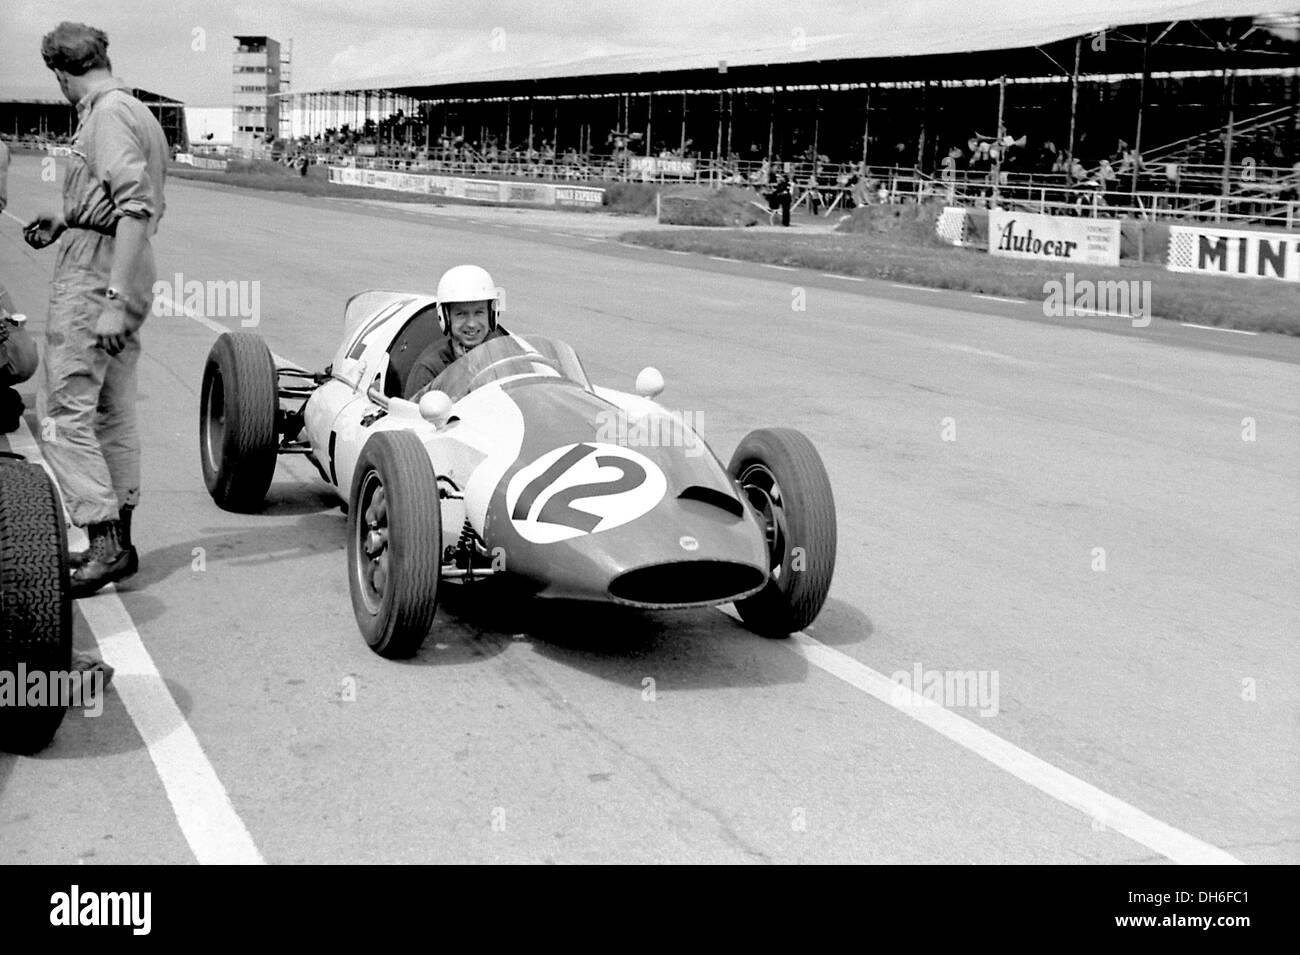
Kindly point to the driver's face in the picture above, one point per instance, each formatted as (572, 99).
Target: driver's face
(469, 322)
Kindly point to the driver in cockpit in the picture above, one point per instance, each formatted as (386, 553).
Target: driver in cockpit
(468, 302)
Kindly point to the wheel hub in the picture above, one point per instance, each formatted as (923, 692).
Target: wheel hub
(764, 493)
(373, 553)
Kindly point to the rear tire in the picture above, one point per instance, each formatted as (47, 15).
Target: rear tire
(35, 603)
(782, 476)
(237, 417)
(394, 543)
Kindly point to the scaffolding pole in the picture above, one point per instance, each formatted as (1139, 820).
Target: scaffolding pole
(1002, 132)
(1074, 109)
(866, 125)
(1142, 100)
(1229, 90)
(683, 147)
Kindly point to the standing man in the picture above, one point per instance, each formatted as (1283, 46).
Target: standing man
(103, 287)
(17, 350)
(779, 198)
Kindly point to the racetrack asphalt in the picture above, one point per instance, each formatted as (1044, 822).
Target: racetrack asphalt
(1165, 682)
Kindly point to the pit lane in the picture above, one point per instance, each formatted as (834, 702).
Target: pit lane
(531, 734)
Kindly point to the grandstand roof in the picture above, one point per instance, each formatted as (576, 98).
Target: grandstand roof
(42, 95)
(1022, 41)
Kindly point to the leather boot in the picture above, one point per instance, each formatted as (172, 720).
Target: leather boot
(108, 562)
(79, 557)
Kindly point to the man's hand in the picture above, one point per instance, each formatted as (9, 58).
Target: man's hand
(44, 229)
(114, 327)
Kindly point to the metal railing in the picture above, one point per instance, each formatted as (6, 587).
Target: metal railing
(1082, 201)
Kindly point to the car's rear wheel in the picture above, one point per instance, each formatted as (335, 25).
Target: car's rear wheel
(35, 606)
(394, 543)
(782, 476)
(237, 417)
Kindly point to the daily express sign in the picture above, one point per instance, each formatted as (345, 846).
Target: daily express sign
(1247, 255)
(1027, 235)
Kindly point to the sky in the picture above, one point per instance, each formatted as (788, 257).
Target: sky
(182, 48)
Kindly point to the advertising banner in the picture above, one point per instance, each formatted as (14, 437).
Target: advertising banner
(480, 190)
(1027, 235)
(654, 167)
(1234, 252)
(579, 196)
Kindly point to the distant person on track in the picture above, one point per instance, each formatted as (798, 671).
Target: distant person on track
(468, 303)
(102, 292)
(779, 198)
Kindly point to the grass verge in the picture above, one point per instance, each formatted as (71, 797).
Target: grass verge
(1251, 305)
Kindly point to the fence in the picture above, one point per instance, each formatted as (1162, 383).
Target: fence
(1079, 201)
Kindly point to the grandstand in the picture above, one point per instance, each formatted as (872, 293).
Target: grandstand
(1190, 107)
(35, 117)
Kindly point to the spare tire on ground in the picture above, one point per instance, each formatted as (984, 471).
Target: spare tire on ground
(35, 606)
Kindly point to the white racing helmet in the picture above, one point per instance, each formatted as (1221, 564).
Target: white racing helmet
(468, 283)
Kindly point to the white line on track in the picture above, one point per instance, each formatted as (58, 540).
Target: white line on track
(1215, 328)
(998, 298)
(720, 258)
(593, 238)
(847, 278)
(984, 352)
(779, 268)
(675, 252)
(179, 309)
(1111, 812)
(1098, 313)
(916, 288)
(563, 235)
(204, 812)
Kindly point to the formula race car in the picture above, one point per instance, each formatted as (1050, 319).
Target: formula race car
(513, 464)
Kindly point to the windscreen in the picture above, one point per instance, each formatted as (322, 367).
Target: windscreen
(510, 356)
(364, 306)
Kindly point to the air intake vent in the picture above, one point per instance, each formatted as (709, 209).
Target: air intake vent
(709, 495)
(686, 583)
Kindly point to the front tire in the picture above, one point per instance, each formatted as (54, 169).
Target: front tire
(394, 543)
(782, 476)
(237, 436)
(35, 603)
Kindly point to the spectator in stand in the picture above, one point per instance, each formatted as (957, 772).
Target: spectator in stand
(1172, 176)
(1106, 179)
(814, 192)
(862, 189)
(1131, 162)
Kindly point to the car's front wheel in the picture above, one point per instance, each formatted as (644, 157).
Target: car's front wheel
(394, 543)
(782, 475)
(237, 413)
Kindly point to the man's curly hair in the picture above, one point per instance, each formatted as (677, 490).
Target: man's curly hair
(75, 48)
